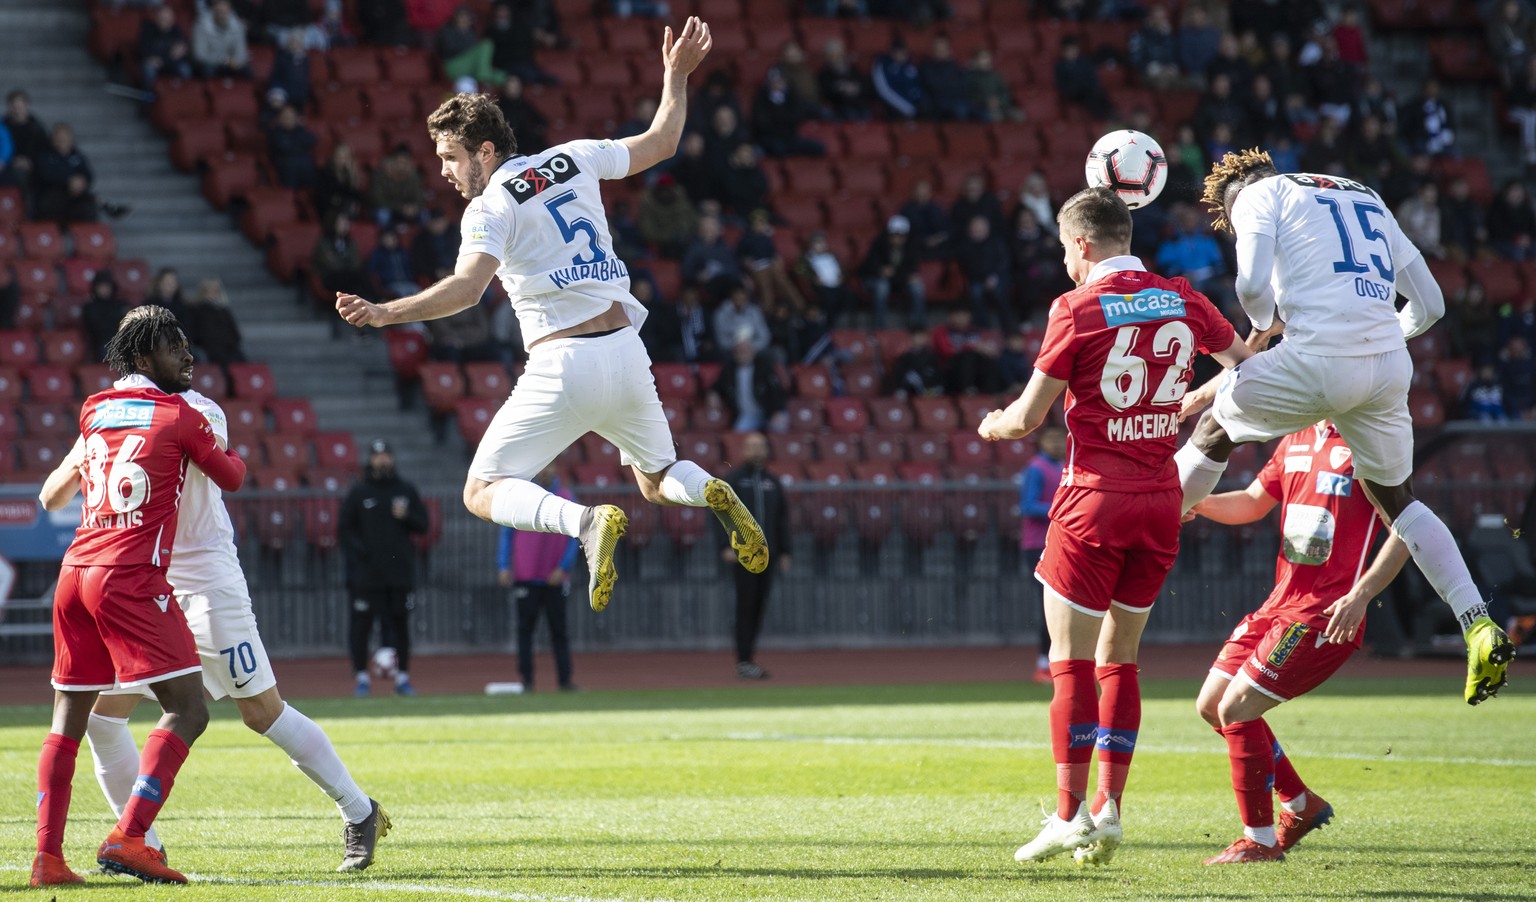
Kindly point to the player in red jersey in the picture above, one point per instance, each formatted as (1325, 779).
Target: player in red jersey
(1120, 346)
(1302, 634)
(114, 620)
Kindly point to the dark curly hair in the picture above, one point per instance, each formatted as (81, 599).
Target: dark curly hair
(471, 120)
(1234, 171)
(138, 334)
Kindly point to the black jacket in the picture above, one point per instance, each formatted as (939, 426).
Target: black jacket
(763, 495)
(378, 545)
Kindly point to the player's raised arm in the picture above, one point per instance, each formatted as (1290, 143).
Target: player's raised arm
(460, 291)
(62, 484)
(679, 56)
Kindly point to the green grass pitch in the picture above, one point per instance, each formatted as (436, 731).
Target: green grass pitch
(888, 793)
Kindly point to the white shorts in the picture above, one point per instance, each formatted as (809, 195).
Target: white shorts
(572, 386)
(1283, 390)
(235, 662)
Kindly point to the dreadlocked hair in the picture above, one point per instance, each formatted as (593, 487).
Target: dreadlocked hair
(141, 329)
(1234, 168)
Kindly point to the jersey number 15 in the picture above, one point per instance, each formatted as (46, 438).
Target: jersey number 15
(1369, 234)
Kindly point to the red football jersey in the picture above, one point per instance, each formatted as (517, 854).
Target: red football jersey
(1327, 525)
(137, 444)
(1123, 345)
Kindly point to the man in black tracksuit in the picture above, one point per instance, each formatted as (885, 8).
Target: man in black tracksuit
(763, 495)
(378, 518)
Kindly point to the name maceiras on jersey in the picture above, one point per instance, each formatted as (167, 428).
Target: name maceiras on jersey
(1140, 426)
(602, 271)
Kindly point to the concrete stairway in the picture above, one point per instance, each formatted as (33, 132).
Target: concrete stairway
(43, 50)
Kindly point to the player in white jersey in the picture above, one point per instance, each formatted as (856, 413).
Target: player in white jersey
(537, 222)
(210, 587)
(1321, 260)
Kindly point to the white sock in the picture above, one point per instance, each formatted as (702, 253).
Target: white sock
(117, 763)
(684, 484)
(1198, 474)
(524, 505)
(401, 677)
(1434, 550)
(1296, 805)
(1264, 836)
(311, 751)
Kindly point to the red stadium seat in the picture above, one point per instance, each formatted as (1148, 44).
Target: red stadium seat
(286, 449)
(970, 449)
(177, 102)
(785, 449)
(13, 208)
(292, 415)
(473, 417)
(874, 515)
(355, 66)
(701, 448)
(885, 447)
(839, 447)
(334, 450)
(209, 380)
(857, 345)
(924, 447)
(1500, 279)
(936, 415)
(806, 414)
(442, 385)
(35, 278)
(812, 381)
(10, 247)
(94, 377)
(891, 415)
(41, 241)
(407, 67)
(47, 419)
(50, 383)
(1453, 375)
(63, 347)
(847, 415)
(197, 140)
(686, 525)
(267, 209)
(252, 381)
(830, 472)
(321, 519)
(488, 380)
(78, 274)
(675, 380)
(92, 241)
(18, 350)
(710, 417)
(875, 472)
(1013, 454)
(244, 416)
(40, 455)
(861, 381)
(598, 475)
(231, 175)
(407, 348)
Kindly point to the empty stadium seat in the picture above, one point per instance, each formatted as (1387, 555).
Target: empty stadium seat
(675, 380)
(292, 415)
(286, 449)
(806, 414)
(847, 414)
(885, 447)
(252, 381)
(473, 417)
(790, 448)
(63, 347)
(334, 450)
(848, 449)
(442, 385)
(935, 415)
(408, 349)
(50, 383)
(209, 380)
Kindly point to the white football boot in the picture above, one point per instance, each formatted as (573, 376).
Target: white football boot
(1108, 835)
(1058, 836)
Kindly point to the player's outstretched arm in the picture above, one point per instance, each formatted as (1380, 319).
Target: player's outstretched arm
(1236, 508)
(62, 484)
(1423, 301)
(1346, 614)
(1255, 264)
(679, 57)
(457, 292)
(1026, 414)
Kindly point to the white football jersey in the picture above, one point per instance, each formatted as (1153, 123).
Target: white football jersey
(204, 557)
(542, 217)
(1338, 250)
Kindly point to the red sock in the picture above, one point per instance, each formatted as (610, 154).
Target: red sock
(164, 753)
(1119, 722)
(1288, 783)
(1253, 770)
(1072, 732)
(55, 772)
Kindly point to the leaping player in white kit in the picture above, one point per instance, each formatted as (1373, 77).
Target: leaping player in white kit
(210, 587)
(1321, 259)
(537, 221)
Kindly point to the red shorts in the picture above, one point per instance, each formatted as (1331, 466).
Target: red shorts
(118, 626)
(1280, 657)
(1110, 546)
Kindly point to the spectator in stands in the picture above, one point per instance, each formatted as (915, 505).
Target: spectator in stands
(763, 495)
(514, 46)
(840, 9)
(10, 298)
(692, 169)
(723, 136)
(822, 270)
(211, 326)
(696, 341)
(541, 19)
(1517, 376)
(718, 90)
(63, 178)
(165, 291)
(1035, 194)
(338, 184)
(1155, 51)
(1014, 363)
(738, 317)
(385, 23)
(844, 92)
(1419, 218)
(163, 48)
(29, 140)
(750, 388)
(1517, 320)
(536, 566)
(1375, 101)
(709, 262)
(280, 18)
(1461, 219)
(1521, 98)
(1372, 155)
(929, 222)
(1471, 323)
(944, 82)
(1191, 252)
(760, 259)
(1231, 62)
(292, 146)
(219, 47)
(435, 248)
(967, 359)
(1332, 83)
(465, 336)
(982, 256)
(667, 220)
(102, 313)
(1326, 152)
(1265, 112)
(75, 203)
(336, 261)
(1035, 254)
(898, 82)
(1197, 41)
(801, 78)
(465, 53)
(1186, 182)
(1511, 223)
(651, 9)
(1483, 398)
(528, 122)
(916, 370)
(1077, 80)
(990, 97)
(330, 30)
(389, 265)
(1511, 39)
(975, 200)
(890, 267)
(1219, 105)
(395, 191)
(777, 114)
(1426, 123)
(744, 186)
(290, 70)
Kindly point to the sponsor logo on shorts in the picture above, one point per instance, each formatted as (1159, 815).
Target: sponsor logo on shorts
(1149, 305)
(147, 787)
(246, 683)
(123, 414)
(1082, 735)
(1259, 666)
(1336, 484)
(1117, 740)
(1288, 641)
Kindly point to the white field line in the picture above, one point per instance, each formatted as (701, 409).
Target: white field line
(1031, 745)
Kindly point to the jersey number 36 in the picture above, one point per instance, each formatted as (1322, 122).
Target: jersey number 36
(126, 486)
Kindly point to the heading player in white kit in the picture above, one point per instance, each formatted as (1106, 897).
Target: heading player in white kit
(210, 588)
(1320, 259)
(538, 222)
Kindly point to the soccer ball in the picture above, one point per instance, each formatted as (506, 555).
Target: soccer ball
(1131, 163)
(385, 664)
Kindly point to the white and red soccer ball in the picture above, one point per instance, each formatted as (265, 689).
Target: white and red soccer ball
(1129, 162)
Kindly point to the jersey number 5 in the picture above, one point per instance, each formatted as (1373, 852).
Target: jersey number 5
(576, 227)
(1124, 382)
(1368, 232)
(126, 486)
